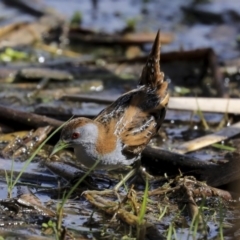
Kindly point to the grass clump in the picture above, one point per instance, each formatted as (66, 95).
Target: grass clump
(9, 177)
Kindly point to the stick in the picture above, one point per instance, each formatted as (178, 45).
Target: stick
(160, 161)
(220, 105)
(30, 119)
(87, 98)
(128, 39)
(210, 139)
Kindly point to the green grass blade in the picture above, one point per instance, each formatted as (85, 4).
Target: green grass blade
(79, 181)
(200, 114)
(144, 204)
(223, 147)
(163, 213)
(11, 173)
(7, 178)
(170, 230)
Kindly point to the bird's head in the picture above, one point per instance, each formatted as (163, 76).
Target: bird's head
(77, 132)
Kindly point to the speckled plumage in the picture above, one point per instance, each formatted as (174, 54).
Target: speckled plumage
(120, 132)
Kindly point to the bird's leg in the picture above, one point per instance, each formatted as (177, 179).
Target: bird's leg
(126, 177)
(144, 174)
(114, 191)
(135, 172)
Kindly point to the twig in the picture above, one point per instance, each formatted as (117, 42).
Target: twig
(219, 105)
(111, 207)
(205, 141)
(168, 157)
(107, 39)
(42, 84)
(29, 174)
(161, 161)
(33, 141)
(54, 50)
(10, 233)
(47, 73)
(191, 204)
(30, 119)
(87, 98)
(208, 191)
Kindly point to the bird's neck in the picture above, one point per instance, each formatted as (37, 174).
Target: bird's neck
(100, 147)
(107, 140)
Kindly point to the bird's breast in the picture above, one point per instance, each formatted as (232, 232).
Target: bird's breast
(88, 155)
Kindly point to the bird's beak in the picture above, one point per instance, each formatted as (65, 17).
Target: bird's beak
(59, 146)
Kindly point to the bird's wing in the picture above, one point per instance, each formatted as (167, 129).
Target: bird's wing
(134, 119)
(138, 126)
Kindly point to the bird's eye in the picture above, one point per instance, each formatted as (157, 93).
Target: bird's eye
(75, 135)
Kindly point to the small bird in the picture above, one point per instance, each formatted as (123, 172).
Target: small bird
(120, 132)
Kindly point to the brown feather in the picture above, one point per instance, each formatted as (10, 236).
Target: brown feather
(151, 74)
(106, 141)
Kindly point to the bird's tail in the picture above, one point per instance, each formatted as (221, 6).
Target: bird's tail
(152, 77)
(151, 74)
